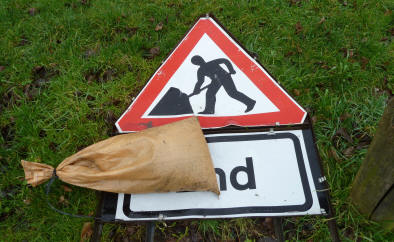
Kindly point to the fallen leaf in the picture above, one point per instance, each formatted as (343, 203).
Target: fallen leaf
(42, 75)
(40, 71)
(112, 233)
(364, 62)
(152, 19)
(334, 154)
(78, 93)
(348, 151)
(42, 133)
(391, 31)
(32, 11)
(296, 92)
(87, 231)
(100, 75)
(115, 102)
(130, 229)
(299, 50)
(91, 77)
(290, 53)
(27, 201)
(110, 117)
(154, 51)
(23, 41)
(30, 92)
(70, 5)
(322, 20)
(130, 31)
(9, 97)
(2, 68)
(196, 236)
(107, 75)
(67, 189)
(345, 116)
(344, 51)
(363, 145)
(62, 200)
(363, 141)
(90, 53)
(295, 2)
(320, 63)
(351, 53)
(298, 27)
(385, 79)
(52, 146)
(349, 233)
(342, 132)
(171, 240)
(347, 53)
(314, 119)
(388, 12)
(90, 98)
(159, 26)
(269, 222)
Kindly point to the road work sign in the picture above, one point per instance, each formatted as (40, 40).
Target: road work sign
(259, 174)
(210, 75)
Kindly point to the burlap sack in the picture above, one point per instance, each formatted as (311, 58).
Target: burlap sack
(172, 157)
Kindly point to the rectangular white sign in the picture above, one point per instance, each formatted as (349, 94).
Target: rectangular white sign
(259, 174)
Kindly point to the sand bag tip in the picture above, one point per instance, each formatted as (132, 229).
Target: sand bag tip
(36, 173)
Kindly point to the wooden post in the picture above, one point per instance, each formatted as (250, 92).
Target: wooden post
(372, 191)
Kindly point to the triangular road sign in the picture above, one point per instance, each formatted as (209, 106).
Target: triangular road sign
(210, 75)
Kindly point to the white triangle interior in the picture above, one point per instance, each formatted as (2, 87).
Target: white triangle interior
(185, 79)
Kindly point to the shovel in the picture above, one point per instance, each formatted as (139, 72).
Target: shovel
(174, 102)
(202, 89)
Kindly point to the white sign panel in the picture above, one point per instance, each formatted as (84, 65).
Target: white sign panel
(259, 174)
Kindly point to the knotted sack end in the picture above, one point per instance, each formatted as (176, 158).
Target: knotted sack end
(36, 173)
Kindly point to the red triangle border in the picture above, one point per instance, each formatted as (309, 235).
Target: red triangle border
(290, 112)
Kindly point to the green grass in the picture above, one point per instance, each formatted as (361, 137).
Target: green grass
(95, 58)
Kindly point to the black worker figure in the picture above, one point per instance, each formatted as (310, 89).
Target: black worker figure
(219, 77)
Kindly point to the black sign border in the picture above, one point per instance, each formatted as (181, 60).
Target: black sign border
(236, 210)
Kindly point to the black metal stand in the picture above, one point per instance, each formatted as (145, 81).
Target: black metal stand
(98, 229)
(106, 211)
(150, 232)
(98, 224)
(278, 229)
(332, 225)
